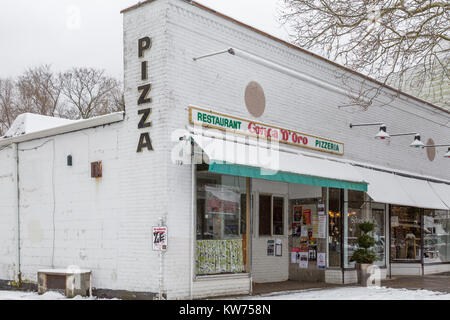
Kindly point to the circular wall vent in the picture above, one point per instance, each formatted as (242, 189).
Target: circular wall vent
(255, 100)
(431, 152)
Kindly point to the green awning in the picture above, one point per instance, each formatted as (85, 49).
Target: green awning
(254, 172)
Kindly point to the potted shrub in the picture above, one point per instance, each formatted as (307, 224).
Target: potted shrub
(364, 257)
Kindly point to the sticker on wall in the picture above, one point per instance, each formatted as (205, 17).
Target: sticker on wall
(159, 238)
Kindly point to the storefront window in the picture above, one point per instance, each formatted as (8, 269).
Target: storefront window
(271, 215)
(278, 209)
(378, 218)
(265, 205)
(436, 235)
(360, 209)
(220, 223)
(405, 233)
(334, 225)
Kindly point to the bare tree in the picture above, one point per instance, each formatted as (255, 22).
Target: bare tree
(8, 107)
(390, 40)
(39, 91)
(90, 92)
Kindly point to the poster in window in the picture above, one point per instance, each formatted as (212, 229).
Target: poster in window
(394, 221)
(295, 255)
(297, 211)
(321, 262)
(307, 217)
(303, 260)
(312, 254)
(296, 228)
(322, 232)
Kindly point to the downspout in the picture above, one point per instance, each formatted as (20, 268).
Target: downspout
(250, 255)
(193, 215)
(18, 267)
(390, 240)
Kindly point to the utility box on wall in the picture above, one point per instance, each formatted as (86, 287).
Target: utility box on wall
(71, 283)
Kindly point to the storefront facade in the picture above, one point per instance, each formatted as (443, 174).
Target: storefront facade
(246, 156)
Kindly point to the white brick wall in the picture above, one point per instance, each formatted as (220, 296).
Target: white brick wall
(8, 214)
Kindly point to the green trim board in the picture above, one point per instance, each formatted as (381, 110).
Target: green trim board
(255, 172)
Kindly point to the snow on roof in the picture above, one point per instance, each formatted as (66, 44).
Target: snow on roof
(30, 122)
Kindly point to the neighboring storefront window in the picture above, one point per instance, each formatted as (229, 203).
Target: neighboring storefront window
(360, 209)
(378, 218)
(436, 235)
(405, 233)
(334, 225)
(220, 223)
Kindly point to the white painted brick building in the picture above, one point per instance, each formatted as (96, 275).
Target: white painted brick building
(53, 215)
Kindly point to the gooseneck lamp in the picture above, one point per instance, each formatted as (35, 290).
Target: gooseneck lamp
(382, 134)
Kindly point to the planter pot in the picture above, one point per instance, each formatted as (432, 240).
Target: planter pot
(363, 274)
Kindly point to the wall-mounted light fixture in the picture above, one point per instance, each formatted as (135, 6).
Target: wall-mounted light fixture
(417, 143)
(447, 155)
(381, 135)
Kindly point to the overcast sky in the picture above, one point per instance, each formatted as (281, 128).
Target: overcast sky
(67, 33)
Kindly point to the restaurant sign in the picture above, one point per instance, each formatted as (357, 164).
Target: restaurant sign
(211, 119)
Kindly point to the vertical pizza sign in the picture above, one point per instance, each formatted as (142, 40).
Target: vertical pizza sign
(144, 101)
(159, 238)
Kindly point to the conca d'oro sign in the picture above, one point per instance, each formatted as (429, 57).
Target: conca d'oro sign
(211, 119)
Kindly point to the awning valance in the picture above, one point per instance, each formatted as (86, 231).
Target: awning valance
(240, 159)
(390, 188)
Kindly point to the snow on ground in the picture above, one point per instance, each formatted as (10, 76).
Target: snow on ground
(355, 293)
(21, 295)
(347, 293)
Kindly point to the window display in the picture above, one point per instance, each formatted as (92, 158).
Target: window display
(405, 233)
(220, 223)
(436, 233)
(360, 209)
(334, 228)
(305, 240)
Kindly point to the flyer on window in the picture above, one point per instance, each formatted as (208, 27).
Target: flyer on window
(303, 260)
(307, 217)
(321, 262)
(297, 212)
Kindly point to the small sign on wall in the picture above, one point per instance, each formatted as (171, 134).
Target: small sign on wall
(159, 238)
(270, 247)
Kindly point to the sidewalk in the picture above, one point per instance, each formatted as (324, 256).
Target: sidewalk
(435, 282)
